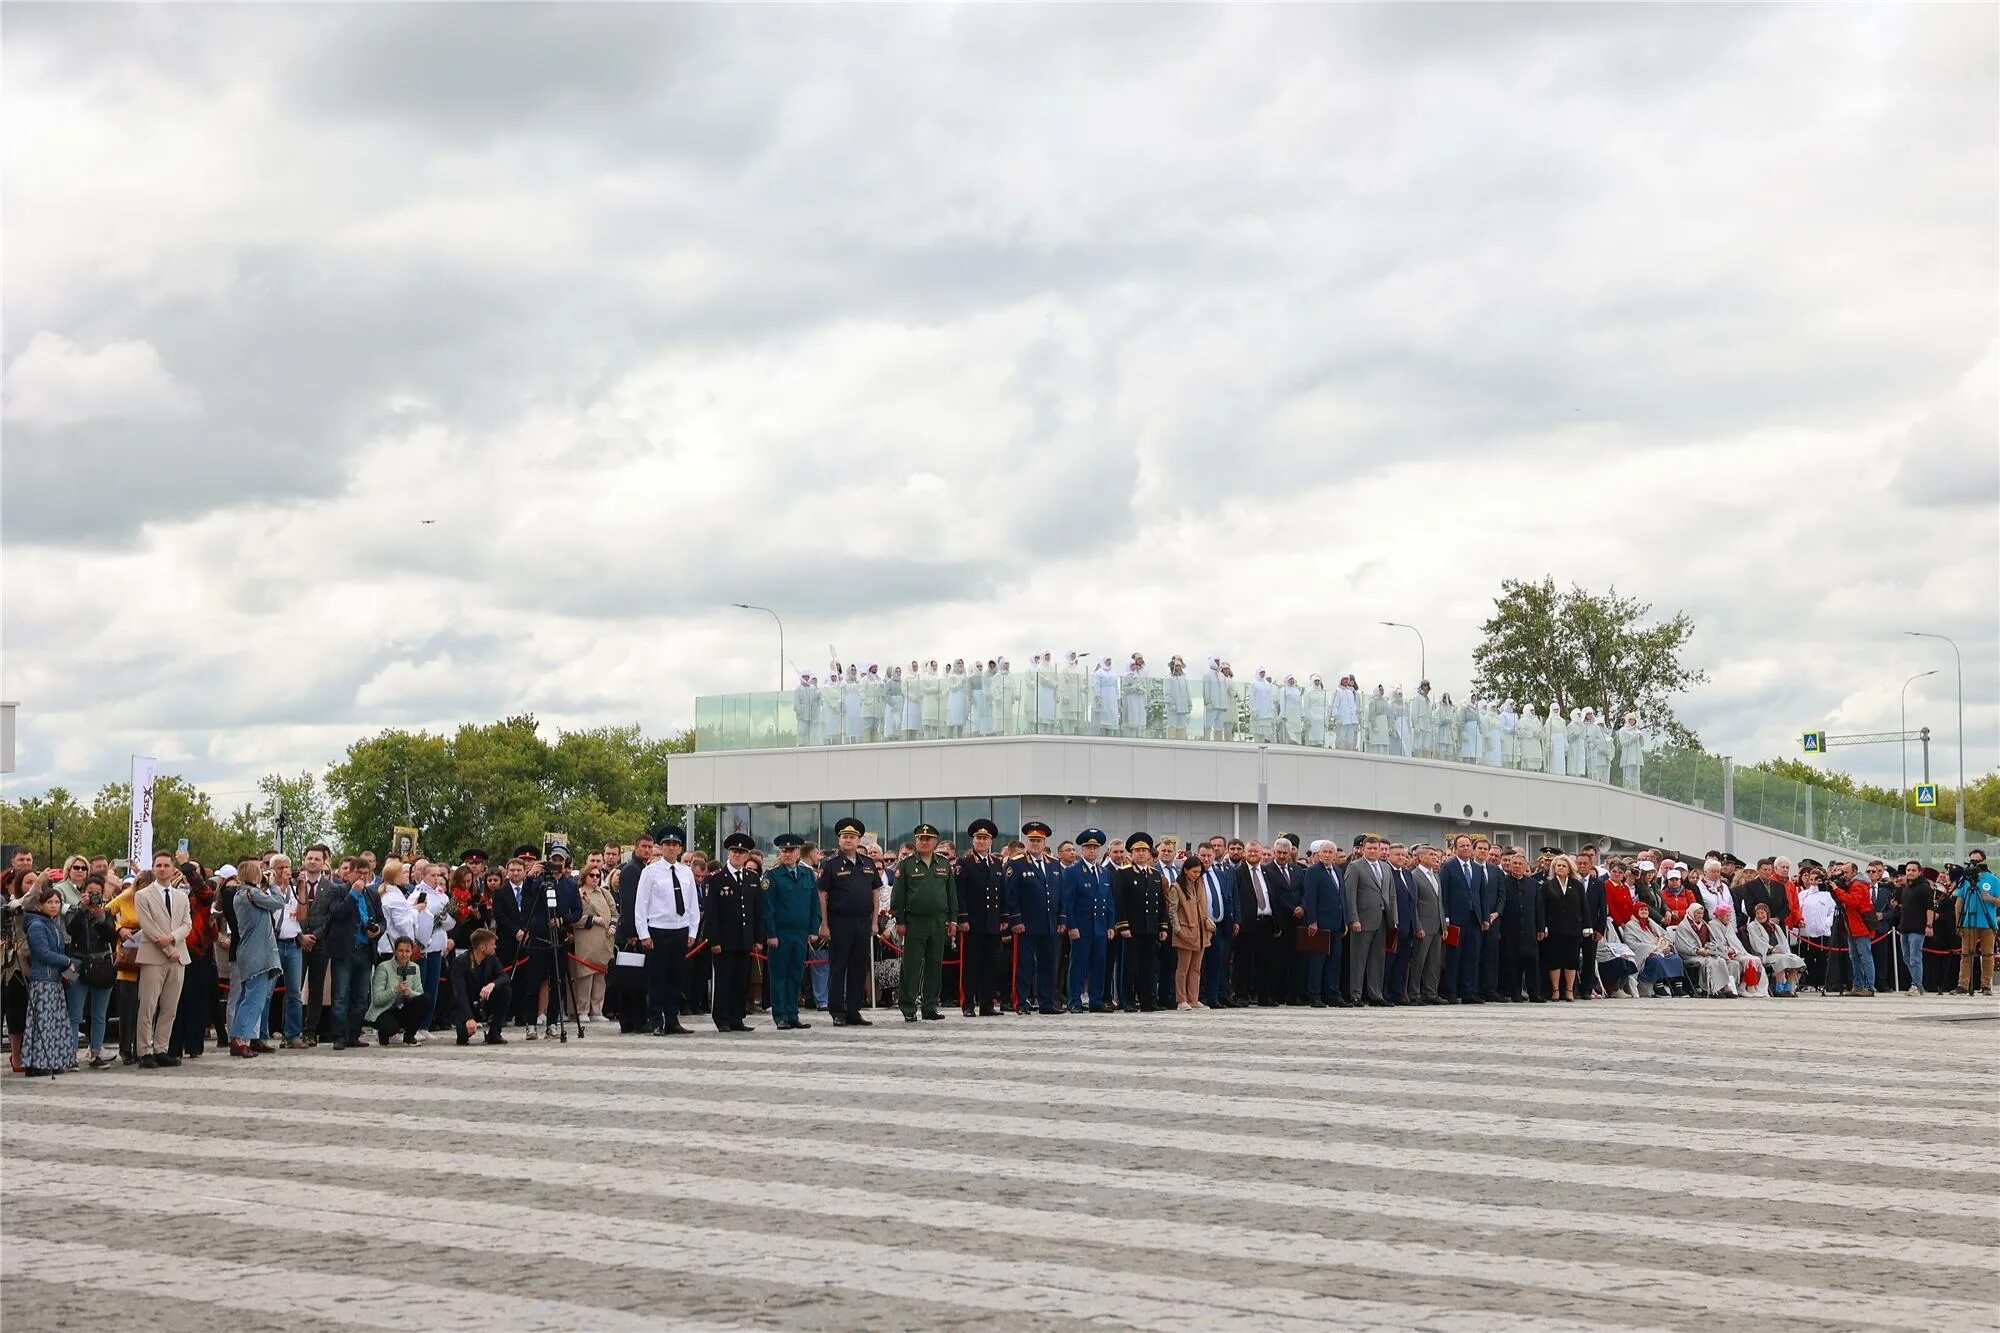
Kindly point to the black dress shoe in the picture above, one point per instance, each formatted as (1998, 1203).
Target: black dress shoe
(800, 1025)
(857, 1021)
(167, 1061)
(840, 1020)
(145, 1062)
(739, 1027)
(935, 1018)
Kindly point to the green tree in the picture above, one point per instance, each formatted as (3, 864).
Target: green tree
(1579, 649)
(304, 804)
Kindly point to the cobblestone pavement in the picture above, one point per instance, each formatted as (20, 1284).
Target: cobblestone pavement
(1809, 1164)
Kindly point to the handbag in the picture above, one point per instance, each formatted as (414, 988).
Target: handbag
(1750, 974)
(100, 971)
(128, 959)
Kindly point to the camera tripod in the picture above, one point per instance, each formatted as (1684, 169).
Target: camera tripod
(562, 987)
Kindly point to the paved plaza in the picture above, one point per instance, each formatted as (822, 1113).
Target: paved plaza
(1808, 1164)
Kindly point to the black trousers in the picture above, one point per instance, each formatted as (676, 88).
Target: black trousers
(1521, 970)
(732, 988)
(982, 966)
(694, 984)
(663, 977)
(1142, 967)
(491, 1012)
(847, 965)
(625, 988)
(405, 1018)
(315, 983)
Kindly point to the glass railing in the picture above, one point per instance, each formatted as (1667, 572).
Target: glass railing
(1148, 710)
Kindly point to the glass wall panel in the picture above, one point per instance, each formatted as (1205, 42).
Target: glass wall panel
(903, 819)
(941, 813)
(875, 814)
(1007, 814)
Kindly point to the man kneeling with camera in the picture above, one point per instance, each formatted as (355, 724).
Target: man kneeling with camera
(398, 985)
(480, 994)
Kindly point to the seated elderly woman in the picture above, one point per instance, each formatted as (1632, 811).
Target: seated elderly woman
(1711, 954)
(1768, 940)
(1660, 968)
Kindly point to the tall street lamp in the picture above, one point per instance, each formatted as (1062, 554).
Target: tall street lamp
(1904, 746)
(1958, 820)
(745, 606)
(1423, 657)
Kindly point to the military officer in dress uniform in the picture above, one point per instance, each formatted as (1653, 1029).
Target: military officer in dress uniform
(1141, 897)
(1034, 890)
(924, 901)
(791, 918)
(732, 927)
(847, 882)
(982, 924)
(1090, 919)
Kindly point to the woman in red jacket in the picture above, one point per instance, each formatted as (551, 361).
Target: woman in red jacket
(1853, 894)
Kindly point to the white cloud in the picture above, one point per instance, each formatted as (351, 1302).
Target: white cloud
(53, 382)
(1179, 330)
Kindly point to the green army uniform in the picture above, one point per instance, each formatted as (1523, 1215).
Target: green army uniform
(923, 900)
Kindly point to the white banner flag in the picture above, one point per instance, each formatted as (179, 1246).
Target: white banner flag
(139, 846)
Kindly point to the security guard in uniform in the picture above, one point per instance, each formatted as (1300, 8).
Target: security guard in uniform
(847, 883)
(732, 927)
(1034, 906)
(924, 902)
(791, 919)
(1089, 916)
(982, 924)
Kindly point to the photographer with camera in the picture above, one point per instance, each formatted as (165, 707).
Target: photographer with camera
(552, 907)
(93, 943)
(398, 986)
(353, 924)
(1975, 898)
(480, 993)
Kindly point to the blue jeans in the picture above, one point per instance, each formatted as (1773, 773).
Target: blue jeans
(352, 977)
(99, 998)
(1215, 968)
(1662, 966)
(1913, 958)
(1861, 962)
(292, 962)
(818, 977)
(252, 1005)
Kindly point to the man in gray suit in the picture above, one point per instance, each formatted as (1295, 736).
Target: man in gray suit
(1371, 918)
(1427, 940)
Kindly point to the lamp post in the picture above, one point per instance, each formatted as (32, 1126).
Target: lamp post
(745, 606)
(1904, 746)
(1423, 656)
(52, 840)
(1958, 813)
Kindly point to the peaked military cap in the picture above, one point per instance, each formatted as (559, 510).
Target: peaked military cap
(986, 826)
(1035, 826)
(529, 850)
(1089, 836)
(739, 842)
(925, 831)
(847, 822)
(784, 840)
(1136, 840)
(670, 833)
(472, 854)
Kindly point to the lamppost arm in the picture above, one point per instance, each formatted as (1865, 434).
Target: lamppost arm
(746, 606)
(1423, 653)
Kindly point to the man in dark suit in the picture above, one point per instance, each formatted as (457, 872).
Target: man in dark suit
(510, 912)
(1371, 919)
(1256, 945)
(1464, 880)
(1520, 931)
(1397, 979)
(1326, 913)
(628, 984)
(1492, 899)
(1286, 878)
(1594, 916)
(1217, 878)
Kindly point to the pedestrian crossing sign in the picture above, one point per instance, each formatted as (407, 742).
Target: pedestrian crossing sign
(1926, 795)
(1815, 742)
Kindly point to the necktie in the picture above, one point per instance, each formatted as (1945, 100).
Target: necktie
(1263, 894)
(1214, 897)
(167, 901)
(680, 902)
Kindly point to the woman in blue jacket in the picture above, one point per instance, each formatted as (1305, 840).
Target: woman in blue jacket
(50, 1045)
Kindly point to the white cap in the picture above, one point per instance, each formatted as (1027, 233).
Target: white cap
(226, 872)
(1675, 873)
(1645, 865)
(1318, 845)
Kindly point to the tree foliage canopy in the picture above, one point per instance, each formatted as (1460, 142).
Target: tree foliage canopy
(1579, 649)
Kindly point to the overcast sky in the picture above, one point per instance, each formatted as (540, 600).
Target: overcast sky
(978, 331)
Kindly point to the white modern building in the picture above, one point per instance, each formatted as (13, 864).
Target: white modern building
(1192, 789)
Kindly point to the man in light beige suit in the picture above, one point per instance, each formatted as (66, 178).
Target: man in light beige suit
(165, 917)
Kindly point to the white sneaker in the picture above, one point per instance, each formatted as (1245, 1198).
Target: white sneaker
(1916, 991)
(550, 1032)
(533, 1032)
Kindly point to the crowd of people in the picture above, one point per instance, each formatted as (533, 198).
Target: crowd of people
(269, 955)
(1090, 696)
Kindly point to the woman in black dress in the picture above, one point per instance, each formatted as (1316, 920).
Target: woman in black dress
(1563, 917)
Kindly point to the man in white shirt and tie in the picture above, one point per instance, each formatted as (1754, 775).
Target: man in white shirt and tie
(666, 913)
